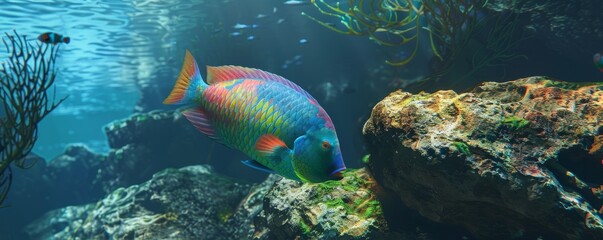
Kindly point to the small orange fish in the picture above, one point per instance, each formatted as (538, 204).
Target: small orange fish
(53, 38)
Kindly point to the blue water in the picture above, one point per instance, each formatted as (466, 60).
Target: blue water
(118, 46)
(125, 55)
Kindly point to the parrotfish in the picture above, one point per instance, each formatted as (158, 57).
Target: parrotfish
(275, 122)
(53, 38)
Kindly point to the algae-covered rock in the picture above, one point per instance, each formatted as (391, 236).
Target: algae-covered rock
(186, 203)
(514, 159)
(346, 209)
(196, 203)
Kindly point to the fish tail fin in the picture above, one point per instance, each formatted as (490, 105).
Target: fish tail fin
(188, 83)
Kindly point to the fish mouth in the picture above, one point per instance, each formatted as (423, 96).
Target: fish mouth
(337, 174)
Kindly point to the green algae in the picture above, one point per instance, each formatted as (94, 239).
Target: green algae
(349, 188)
(366, 159)
(515, 123)
(462, 147)
(224, 213)
(338, 202)
(372, 209)
(362, 205)
(352, 183)
(306, 229)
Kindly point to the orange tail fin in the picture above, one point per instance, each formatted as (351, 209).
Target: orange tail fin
(188, 84)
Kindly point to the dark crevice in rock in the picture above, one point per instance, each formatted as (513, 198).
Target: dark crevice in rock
(573, 173)
(401, 218)
(585, 166)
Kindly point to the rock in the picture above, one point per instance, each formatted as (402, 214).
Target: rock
(250, 207)
(186, 203)
(29, 193)
(72, 176)
(504, 160)
(126, 166)
(66, 180)
(59, 223)
(346, 209)
(153, 129)
(140, 146)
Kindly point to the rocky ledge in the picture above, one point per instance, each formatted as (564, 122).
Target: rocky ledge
(505, 160)
(186, 203)
(196, 203)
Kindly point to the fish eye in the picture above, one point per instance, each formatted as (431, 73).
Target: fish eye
(326, 145)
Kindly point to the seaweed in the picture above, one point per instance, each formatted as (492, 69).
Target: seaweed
(463, 38)
(399, 22)
(25, 79)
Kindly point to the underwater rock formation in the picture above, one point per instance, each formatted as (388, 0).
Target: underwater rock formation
(141, 145)
(72, 176)
(186, 203)
(346, 209)
(69, 179)
(196, 203)
(505, 160)
(144, 144)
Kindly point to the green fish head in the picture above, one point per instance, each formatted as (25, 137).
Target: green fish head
(317, 157)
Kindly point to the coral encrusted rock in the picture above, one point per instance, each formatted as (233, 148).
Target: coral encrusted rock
(186, 203)
(196, 203)
(346, 209)
(505, 160)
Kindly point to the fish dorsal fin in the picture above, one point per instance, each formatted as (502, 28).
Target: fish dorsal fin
(199, 118)
(227, 73)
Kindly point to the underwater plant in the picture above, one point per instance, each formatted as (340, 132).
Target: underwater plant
(454, 29)
(26, 75)
(387, 22)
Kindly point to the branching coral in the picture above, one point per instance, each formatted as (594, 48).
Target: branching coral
(26, 75)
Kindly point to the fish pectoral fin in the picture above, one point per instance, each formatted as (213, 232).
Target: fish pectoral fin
(270, 145)
(200, 119)
(255, 164)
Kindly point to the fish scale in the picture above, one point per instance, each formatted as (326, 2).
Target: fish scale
(242, 131)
